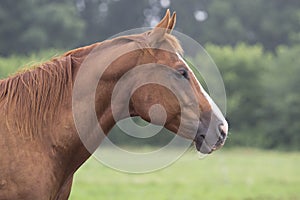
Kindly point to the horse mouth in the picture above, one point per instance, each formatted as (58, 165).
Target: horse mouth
(204, 147)
(211, 135)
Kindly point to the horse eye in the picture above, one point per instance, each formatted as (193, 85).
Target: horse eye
(184, 73)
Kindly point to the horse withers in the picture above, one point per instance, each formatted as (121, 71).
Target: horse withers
(39, 142)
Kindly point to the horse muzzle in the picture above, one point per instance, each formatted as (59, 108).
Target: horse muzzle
(211, 134)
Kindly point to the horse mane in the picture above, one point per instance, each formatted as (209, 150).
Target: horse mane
(30, 96)
(34, 97)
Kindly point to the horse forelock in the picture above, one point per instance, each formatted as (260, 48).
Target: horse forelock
(174, 42)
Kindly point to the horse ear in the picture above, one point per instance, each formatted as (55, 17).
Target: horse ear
(172, 23)
(163, 24)
(157, 34)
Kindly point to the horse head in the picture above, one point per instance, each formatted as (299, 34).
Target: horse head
(171, 95)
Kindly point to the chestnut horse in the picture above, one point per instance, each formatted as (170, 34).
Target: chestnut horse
(40, 148)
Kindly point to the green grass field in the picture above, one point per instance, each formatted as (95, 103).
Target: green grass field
(227, 174)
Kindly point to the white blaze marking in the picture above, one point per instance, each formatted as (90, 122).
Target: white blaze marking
(213, 105)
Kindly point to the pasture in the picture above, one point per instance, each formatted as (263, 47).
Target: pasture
(232, 174)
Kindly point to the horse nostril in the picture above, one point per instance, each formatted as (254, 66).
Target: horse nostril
(223, 130)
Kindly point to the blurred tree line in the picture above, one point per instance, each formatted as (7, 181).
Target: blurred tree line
(255, 44)
(31, 25)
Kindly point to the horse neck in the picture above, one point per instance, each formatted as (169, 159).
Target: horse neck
(93, 85)
(92, 94)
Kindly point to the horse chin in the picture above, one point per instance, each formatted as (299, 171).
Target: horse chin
(201, 145)
(202, 155)
(204, 149)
